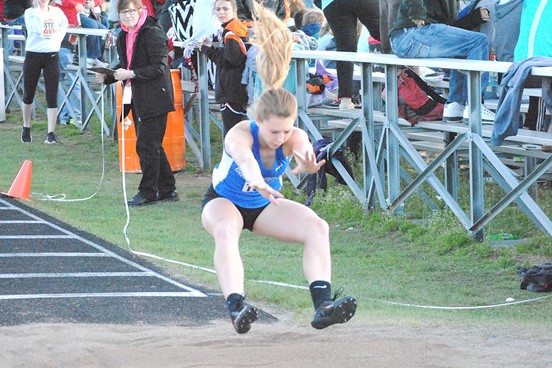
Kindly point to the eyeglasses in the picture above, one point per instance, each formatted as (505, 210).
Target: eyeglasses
(130, 12)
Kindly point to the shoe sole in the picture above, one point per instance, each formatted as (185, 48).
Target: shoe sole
(452, 120)
(142, 204)
(343, 311)
(245, 318)
(483, 122)
(169, 199)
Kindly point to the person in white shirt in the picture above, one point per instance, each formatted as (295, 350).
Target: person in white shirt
(46, 27)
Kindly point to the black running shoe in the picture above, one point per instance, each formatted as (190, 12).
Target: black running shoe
(26, 135)
(50, 138)
(332, 312)
(243, 318)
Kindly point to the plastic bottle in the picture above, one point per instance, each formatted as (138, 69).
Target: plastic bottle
(493, 80)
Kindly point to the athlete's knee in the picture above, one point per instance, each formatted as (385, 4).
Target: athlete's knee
(318, 228)
(228, 229)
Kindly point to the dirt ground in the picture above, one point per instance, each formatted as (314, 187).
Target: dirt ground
(282, 344)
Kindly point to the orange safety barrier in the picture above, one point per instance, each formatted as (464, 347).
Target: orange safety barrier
(173, 142)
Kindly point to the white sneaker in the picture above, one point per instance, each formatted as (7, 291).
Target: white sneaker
(487, 116)
(346, 104)
(453, 112)
(91, 63)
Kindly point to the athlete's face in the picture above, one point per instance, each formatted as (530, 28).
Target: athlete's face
(224, 11)
(275, 131)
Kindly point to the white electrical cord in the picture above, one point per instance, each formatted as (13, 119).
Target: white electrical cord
(282, 284)
(416, 305)
(63, 197)
(125, 229)
(275, 283)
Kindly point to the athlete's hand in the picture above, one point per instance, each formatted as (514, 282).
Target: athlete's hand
(306, 163)
(267, 191)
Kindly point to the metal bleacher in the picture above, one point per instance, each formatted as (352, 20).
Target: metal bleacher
(93, 97)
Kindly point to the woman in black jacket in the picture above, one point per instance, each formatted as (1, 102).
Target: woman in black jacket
(142, 47)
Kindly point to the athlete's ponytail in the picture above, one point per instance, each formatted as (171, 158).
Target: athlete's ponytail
(273, 40)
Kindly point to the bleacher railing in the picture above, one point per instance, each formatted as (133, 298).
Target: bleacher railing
(92, 103)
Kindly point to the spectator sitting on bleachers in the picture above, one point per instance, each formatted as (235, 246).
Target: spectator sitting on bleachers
(66, 57)
(72, 10)
(312, 23)
(95, 45)
(428, 29)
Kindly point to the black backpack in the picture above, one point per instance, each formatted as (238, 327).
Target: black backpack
(536, 278)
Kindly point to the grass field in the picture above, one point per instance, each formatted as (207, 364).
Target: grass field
(432, 270)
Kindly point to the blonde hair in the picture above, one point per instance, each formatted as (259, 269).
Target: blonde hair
(273, 39)
(232, 3)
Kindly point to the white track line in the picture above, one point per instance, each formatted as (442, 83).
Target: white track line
(95, 295)
(15, 255)
(74, 274)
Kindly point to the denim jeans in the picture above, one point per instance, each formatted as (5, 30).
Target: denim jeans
(94, 44)
(444, 41)
(66, 58)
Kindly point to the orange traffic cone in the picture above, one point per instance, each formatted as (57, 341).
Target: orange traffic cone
(21, 187)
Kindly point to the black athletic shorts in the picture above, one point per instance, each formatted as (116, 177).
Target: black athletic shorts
(249, 215)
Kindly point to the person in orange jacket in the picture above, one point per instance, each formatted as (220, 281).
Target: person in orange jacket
(230, 60)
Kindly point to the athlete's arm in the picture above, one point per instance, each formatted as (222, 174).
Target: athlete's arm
(301, 147)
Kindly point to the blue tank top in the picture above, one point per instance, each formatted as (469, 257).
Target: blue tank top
(229, 182)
